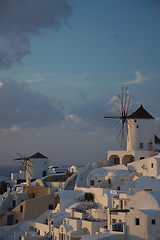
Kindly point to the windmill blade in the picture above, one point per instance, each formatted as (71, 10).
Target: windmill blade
(125, 101)
(20, 155)
(119, 133)
(29, 165)
(123, 140)
(121, 104)
(29, 172)
(124, 111)
(19, 159)
(117, 122)
(116, 117)
(118, 111)
(122, 101)
(128, 105)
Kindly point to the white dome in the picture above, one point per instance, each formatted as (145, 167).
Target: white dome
(103, 170)
(119, 172)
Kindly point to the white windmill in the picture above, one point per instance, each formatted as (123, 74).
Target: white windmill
(140, 133)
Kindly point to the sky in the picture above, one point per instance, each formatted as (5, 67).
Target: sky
(63, 65)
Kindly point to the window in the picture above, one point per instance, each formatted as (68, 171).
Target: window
(137, 126)
(141, 145)
(151, 165)
(92, 182)
(113, 220)
(135, 120)
(153, 222)
(21, 208)
(14, 204)
(137, 222)
(141, 158)
(50, 207)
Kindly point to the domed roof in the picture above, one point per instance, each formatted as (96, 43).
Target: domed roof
(103, 170)
(119, 172)
(152, 200)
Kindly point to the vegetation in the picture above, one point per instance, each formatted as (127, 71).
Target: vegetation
(3, 187)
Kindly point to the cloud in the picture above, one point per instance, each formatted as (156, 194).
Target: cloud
(11, 129)
(137, 80)
(22, 108)
(21, 19)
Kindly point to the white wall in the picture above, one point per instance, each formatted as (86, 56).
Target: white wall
(141, 131)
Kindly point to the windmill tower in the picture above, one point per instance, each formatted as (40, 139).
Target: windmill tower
(39, 165)
(141, 135)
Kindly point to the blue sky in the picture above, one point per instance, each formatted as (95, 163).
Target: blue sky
(61, 64)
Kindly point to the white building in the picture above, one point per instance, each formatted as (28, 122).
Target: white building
(39, 166)
(141, 139)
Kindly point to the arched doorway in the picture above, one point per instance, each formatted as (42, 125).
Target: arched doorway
(127, 159)
(114, 160)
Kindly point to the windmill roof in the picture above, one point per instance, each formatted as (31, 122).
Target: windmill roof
(141, 113)
(37, 155)
(157, 140)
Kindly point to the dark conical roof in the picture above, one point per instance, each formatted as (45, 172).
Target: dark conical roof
(141, 113)
(157, 140)
(37, 155)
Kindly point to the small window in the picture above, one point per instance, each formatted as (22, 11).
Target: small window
(137, 126)
(14, 204)
(21, 208)
(113, 220)
(137, 222)
(135, 120)
(148, 189)
(153, 222)
(141, 158)
(141, 145)
(50, 207)
(151, 165)
(44, 173)
(92, 182)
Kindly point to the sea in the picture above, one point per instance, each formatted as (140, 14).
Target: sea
(5, 171)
